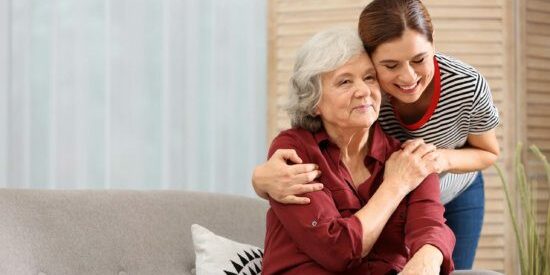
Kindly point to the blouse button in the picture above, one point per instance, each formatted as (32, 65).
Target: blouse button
(314, 223)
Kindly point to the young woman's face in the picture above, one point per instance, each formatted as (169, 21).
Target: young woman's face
(405, 67)
(350, 95)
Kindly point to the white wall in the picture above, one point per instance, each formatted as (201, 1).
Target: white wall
(132, 94)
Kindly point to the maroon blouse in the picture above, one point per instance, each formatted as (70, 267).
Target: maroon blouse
(324, 237)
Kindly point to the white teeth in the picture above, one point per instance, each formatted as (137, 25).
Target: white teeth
(408, 87)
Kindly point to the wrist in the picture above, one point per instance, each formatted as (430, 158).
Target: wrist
(446, 160)
(397, 188)
(259, 175)
(431, 253)
(257, 185)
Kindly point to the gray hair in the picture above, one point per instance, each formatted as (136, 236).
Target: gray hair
(324, 52)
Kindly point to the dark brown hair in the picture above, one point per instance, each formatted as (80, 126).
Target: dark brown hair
(385, 20)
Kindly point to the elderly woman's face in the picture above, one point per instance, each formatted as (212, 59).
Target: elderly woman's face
(350, 95)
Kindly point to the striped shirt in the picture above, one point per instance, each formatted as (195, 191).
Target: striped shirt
(461, 105)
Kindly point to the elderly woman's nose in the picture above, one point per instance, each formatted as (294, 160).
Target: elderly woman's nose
(362, 89)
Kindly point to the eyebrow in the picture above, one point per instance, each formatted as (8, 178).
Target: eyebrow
(342, 75)
(414, 57)
(370, 70)
(347, 74)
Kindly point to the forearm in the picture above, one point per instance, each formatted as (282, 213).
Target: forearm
(259, 192)
(468, 159)
(430, 255)
(256, 184)
(480, 152)
(319, 231)
(427, 260)
(376, 213)
(425, 225)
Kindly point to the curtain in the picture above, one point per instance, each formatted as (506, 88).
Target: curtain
(141, 94)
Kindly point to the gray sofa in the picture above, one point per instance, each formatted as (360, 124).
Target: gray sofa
(117, 232)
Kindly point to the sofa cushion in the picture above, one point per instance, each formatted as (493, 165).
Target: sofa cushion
(218, 255)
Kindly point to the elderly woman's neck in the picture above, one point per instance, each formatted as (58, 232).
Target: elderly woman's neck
(353, 143)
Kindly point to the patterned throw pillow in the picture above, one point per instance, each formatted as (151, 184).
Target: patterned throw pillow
(218, 255)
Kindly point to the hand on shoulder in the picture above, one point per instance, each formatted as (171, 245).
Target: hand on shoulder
(283, 182)
(408, 167)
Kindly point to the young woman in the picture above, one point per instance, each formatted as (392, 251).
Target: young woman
(428, 96)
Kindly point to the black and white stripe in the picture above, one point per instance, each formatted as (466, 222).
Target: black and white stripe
(465, 107)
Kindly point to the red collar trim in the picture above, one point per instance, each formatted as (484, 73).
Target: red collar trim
(431, 109)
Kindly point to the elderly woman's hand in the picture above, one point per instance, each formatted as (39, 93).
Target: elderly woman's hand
(283, 182)
(437, 160)
(407, 168)
(426, 261)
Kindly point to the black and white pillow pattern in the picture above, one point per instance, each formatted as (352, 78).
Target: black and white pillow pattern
(218, 255)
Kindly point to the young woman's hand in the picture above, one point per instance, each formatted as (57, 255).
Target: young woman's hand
(426, 261)
(407, 168)
(283, 182)
(437, 160)
(480, 151)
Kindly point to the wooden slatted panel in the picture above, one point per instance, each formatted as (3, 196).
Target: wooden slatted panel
(474, 32)
(471, 30)
(537, 55)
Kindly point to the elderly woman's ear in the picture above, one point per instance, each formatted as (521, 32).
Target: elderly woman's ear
(317, 112)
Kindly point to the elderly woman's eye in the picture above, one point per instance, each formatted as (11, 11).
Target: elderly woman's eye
(343, 82)
(369, 78)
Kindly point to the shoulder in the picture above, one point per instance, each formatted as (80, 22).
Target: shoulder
(294, 132)
(393, 145)
(459, 73)
(450, 66)
(295, 138)
(459, 78)
(390, 143)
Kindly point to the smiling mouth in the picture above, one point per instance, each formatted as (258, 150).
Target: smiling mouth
(363, 107)
(409, 88)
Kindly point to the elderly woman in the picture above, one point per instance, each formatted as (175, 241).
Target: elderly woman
(379, 211)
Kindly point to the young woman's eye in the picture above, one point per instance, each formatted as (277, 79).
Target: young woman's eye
(419, 60)
(391, 67)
